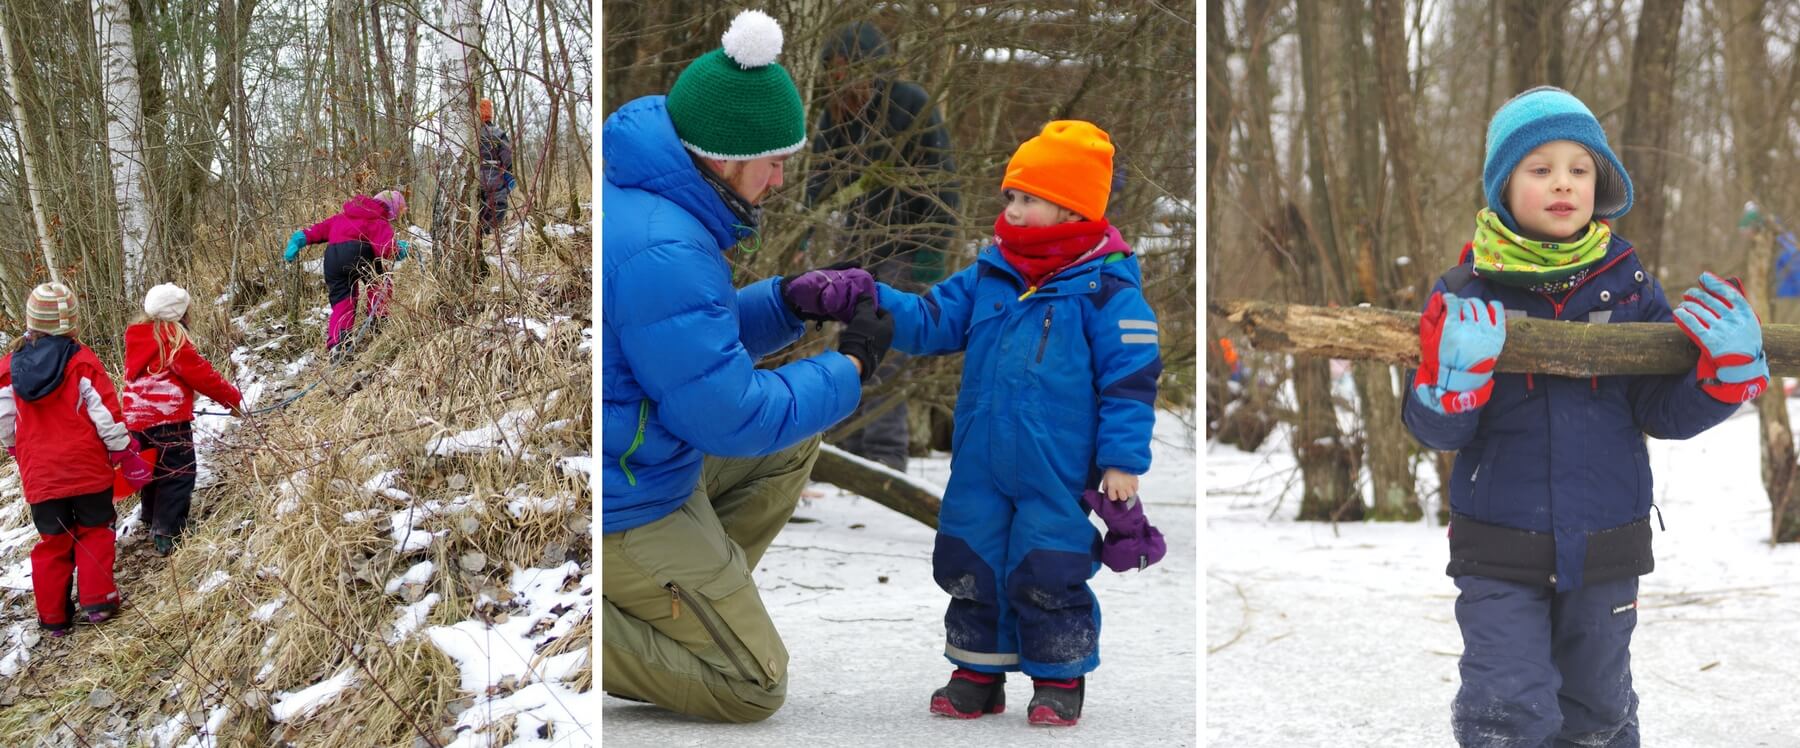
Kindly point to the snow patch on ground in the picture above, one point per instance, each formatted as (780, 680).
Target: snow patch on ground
(1347, 636)
(298, 705)
(865, 654)
(411, 617)
(488, 653)
(418, 573)
(508, 433)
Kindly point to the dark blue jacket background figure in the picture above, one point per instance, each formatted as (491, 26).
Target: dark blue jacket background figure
(914, 219)
(680, 344)
(1055, 387)
(1552, 479)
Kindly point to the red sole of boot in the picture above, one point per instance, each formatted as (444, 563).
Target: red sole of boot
(942, 705)
(1046, 716)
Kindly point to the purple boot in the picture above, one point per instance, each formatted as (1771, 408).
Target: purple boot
(1131, 543)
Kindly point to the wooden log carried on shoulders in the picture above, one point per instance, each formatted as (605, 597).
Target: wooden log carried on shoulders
(1570, 349)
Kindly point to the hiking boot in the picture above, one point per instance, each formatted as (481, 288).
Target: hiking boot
(102, 613)
(56, 630)
(1055, 702)
(163, 544)
(970, 694)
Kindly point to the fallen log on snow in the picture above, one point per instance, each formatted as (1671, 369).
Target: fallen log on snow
(1570, 349)
(886, 486)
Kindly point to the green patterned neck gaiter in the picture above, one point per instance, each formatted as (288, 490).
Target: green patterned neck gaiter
(1505, 257)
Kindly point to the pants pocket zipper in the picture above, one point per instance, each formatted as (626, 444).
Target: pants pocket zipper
(678, 596)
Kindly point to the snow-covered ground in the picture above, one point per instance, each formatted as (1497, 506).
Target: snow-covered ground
(1346, 636)
(866, 654)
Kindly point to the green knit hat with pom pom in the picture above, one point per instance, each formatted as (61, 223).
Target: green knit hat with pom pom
(736, 103)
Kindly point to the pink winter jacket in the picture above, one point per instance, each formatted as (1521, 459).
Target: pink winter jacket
(363, 220)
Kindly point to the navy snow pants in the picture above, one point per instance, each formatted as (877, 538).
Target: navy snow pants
(1016, 564)
(1542, 668)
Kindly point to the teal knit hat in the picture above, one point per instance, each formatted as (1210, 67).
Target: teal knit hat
(1539, 116)
(736, 103)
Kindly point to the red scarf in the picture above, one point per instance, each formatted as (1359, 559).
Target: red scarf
(1040, 253)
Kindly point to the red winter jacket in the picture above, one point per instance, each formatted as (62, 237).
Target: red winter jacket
(58, 406)
(160, 382)
(363, 220)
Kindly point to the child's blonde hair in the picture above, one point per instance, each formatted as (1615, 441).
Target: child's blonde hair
(170, 336)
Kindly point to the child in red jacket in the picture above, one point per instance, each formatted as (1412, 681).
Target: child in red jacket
(60, 420)
(163, 369)
(356, 241)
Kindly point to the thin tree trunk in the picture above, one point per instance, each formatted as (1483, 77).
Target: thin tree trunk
(32, 185)
(1535, 28)
(125, 138)
(1649, 117)
(1746, 66)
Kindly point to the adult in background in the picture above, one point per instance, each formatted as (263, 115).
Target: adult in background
(881, 140)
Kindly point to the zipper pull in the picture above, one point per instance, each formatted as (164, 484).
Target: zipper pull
(1028, 293)
(674, 601)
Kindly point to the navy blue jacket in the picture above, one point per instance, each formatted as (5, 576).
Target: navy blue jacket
(679, 345)
(1560, 460)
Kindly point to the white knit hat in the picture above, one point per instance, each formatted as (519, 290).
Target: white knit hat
(166, 303)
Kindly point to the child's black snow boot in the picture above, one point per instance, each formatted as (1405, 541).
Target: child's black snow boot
(970, 694)
(1056, 702)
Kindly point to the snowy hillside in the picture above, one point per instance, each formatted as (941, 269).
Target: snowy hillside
(398, 550)
(849, 585)
(1346, 636)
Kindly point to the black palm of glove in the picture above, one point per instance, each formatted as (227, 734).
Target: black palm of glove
(867, 337)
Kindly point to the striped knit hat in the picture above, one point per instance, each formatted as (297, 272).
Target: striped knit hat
(1539, 116)
(51, 309)
(736, 103)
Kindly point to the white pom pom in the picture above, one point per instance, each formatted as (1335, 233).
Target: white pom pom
(753, 40)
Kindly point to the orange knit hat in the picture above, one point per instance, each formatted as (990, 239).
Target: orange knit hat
(1069, 163)
(486, 108)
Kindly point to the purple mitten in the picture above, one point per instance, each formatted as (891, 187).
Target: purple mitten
(828, 293)
(1130, 543)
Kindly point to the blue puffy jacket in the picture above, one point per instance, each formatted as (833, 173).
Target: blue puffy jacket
(679, 344)
(1064, 381)
(1552, 481)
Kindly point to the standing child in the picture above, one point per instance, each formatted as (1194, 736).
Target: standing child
(163, 369)
(356, 241)
(1057, 393)
(60, 421)
(1550, 494)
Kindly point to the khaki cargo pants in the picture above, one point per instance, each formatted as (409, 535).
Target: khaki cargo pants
(684, 627)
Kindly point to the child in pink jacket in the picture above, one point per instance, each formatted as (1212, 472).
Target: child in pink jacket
(356, 241)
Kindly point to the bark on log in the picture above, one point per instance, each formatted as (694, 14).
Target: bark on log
(886, 487)
(1570, 349)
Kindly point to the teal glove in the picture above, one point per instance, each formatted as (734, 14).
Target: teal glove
(403, 244)
(294, 244)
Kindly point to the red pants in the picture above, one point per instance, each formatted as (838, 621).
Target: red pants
(74, 548)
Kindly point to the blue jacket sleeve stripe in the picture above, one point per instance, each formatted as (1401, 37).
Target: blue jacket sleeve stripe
(1127, 371)
(767, 325)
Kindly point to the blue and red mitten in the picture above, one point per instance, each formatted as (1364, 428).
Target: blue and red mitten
(1732, 367)
(1459, 340)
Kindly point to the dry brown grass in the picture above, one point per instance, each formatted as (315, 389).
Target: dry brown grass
(446, 361)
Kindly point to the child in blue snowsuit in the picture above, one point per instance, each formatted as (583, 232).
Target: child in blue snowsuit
(1058, 384)
(1550, 494)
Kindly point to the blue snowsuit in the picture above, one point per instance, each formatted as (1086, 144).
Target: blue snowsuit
(679, 344)
(1550, 529)
(1055, 388)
